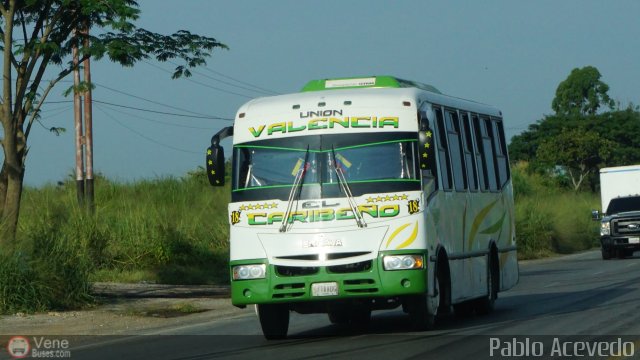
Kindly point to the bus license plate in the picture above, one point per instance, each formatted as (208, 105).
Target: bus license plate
(634, 240)
(324, 289)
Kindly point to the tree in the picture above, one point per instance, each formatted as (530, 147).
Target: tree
(38, 33)
(577, 152)
(582, 93)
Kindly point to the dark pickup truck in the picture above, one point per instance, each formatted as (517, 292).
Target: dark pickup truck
(620, 227)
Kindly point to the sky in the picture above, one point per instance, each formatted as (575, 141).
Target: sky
(507, 53)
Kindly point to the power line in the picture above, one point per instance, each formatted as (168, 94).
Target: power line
(146, 137)
(203, 84)
(145, 110)
(162, 112)
(241, 82)
(148, 100)
(255, 88)
(160, 122)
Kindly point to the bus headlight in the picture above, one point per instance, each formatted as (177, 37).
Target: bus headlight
(605, 228)
(246, 272)
(402, 262)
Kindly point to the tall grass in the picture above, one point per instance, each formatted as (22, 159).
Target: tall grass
(168, 230)
(550, 219)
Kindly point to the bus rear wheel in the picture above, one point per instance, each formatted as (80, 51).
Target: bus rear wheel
(485, 304)
(274, 320)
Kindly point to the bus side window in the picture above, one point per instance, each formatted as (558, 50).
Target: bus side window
(455, 150)
(472, 168)
(443, 153)
(487, 145)
(481, 160)
(501, 152)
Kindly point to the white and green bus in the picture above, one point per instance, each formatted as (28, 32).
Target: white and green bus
(361, 194)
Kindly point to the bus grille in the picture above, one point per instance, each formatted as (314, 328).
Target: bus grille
(360, 286)
(295, 270)
(350, 268)
(284, 291)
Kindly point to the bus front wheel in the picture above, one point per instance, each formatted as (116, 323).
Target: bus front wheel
(423, 309)
(274, 320)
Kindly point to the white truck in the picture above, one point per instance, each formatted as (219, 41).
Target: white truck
(620, 218)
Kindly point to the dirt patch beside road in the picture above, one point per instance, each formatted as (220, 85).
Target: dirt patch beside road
(130, 309)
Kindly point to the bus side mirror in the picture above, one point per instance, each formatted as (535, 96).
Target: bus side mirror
(215, 165)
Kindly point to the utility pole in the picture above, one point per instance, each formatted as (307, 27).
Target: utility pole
(88, 125)
(84, 137)
(77, 118)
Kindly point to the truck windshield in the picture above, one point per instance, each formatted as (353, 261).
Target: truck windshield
(625, 204)
(371, 163)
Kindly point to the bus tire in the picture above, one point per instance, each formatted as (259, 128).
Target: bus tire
(274, 320)
(423, 311)
(486, 304)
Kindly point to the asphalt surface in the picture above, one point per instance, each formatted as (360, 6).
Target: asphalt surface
(560, 307)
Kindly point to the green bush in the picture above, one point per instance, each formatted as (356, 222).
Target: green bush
(550, 219)
(534, 229)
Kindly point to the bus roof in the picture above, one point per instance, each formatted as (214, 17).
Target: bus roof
(383, 81)
(357, 97)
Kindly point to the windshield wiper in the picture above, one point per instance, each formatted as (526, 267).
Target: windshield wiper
(296, 189)
(347, 191)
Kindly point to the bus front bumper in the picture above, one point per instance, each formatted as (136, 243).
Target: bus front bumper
(366, 279)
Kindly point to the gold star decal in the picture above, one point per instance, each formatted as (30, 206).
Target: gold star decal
(213, 173)
(427, 145)
(396, 197)
(425, 155)
(428, 134)
(388, 198)
(379, 198)
(370, 199)
(210, 162)
(404, 197)
(424, 166)
(274, 205)
(208, 151)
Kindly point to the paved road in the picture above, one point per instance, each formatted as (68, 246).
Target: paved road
(558, 302)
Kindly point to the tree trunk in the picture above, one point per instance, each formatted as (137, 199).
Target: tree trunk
(11, 209)
(4, 179)
(11, 177)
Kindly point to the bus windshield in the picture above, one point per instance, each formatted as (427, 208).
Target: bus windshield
(265, 169)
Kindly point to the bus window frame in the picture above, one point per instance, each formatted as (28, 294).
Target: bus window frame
(451, 117)
(469, 150)
(442, 145)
